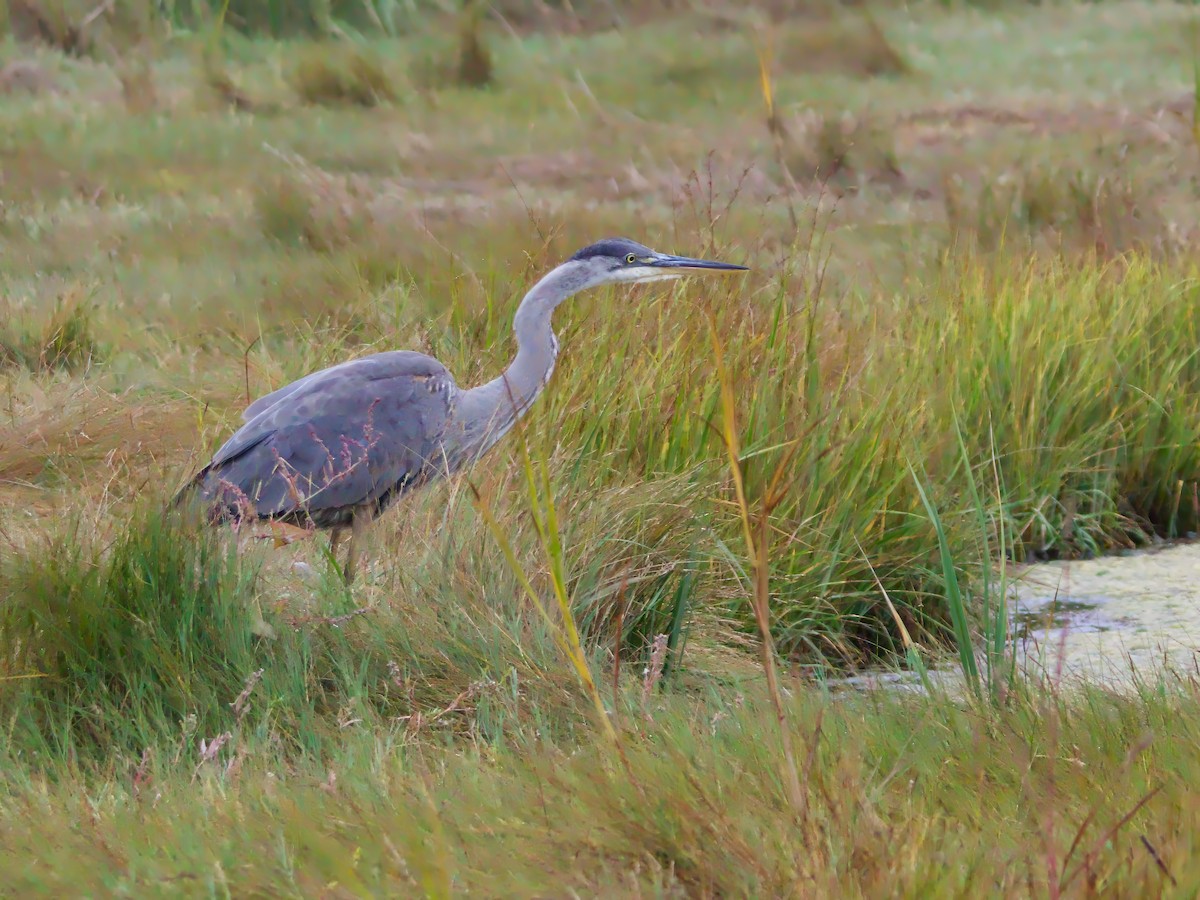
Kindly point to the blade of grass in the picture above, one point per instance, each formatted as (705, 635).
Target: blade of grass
(760, 566)
(568, 642)
(955, 601)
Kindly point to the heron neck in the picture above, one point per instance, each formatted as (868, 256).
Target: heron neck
(489, 411)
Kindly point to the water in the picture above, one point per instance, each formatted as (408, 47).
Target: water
(1113, 621)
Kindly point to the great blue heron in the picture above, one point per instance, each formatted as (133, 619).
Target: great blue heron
(336, 448)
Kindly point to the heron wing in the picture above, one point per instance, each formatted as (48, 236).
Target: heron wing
(266, 401)
(355, 434)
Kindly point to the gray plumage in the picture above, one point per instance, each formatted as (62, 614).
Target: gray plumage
(336, 448)
(352, 436)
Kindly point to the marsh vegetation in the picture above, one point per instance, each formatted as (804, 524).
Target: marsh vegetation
(968, 341)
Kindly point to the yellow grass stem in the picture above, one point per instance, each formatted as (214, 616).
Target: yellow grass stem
(758, 552)
(566, 634)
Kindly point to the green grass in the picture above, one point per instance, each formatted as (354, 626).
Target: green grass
(904, 796)
(975, 345)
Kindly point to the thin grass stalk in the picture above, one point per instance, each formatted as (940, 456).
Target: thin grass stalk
(1002, 653)
(955, 601)
(758, 552)
(1196, 96)
(995, 608)
(552, 541)
(569, 643)
(547, 528)
(775, 127)
(511, 557)
(912, 653)
(435, 874)
(683, 591)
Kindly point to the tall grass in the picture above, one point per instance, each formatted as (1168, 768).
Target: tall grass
(156, 635)
(896, 786)
(1069, 390)
(676, 536)
(1073, 388)
(564, 629)
(65, 340)
(155, 726)
(983, 600)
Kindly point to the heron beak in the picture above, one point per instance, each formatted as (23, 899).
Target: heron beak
(663, 261)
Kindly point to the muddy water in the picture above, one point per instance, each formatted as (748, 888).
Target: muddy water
(1111, 620)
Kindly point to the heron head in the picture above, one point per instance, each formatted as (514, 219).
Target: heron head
(620, 260)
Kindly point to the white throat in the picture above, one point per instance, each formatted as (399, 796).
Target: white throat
(639, 276)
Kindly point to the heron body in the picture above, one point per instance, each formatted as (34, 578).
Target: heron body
(336, 448)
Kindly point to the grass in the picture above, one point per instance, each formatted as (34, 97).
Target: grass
(597, 663)
(337, 77)
(65, 340)
(1077, 210)
(834, 149)
(1030, 799)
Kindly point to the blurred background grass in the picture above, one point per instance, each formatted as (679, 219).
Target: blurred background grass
(971, 244)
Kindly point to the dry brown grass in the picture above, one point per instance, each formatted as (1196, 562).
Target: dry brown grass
(475, 67)
(1065, 208)
(341, 75)
(25, 76)
(467, 62)
(305, 205)
(138, 90)
(55, 24)
(64, 338)
(842, 150)
(83, 27)
(222, 86)
(583, 16)
(73, 432)
(850, 43)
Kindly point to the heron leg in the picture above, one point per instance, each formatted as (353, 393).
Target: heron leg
(335, 538)
(358, 527)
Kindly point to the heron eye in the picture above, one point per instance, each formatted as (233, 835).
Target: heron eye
(631, 258)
